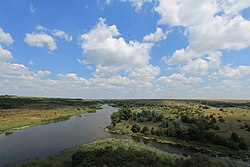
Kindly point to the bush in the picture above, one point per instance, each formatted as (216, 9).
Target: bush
(243, 145)
(221, 119)
(135, 128)
(235, 137)
(145, 130)
(216, 128)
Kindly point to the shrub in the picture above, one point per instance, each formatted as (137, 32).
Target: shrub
(135, 128)
(235, 137)
(248, 129)
(216, 128)
(145, 130)
(243, 145)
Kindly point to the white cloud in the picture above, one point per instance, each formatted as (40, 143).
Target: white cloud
(112, 56)
(5, 38)
(62, 34)
(185, 12)
(104, 46)
(229, 72)
(41, 28)
(179, 80)
(138, 3)
(42, 74)
(207, 32)
(201, 66)
(234, 7)
(32, 9)
(157, 36)
(40, 40)
(4, 54)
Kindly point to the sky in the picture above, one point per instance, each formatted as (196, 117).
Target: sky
(125, 48)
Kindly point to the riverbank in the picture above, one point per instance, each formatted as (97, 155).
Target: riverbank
(115, 152)
(18, 113)
(207, 149)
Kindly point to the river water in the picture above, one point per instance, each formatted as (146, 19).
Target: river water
(45, 140)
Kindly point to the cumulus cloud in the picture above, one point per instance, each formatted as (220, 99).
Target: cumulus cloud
(4, 54)
(62, 34)
(157, 36)
(230, 72)
(201, 66)
(104, 46)
(179, 80)
(46, 37)
(40, 40)
(112, 55)
(5, 38)
(207, 32)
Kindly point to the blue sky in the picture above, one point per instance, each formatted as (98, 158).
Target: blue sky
(125, 48)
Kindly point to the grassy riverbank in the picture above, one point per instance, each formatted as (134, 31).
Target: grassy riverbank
(114, 152)
(22, 112)
(204, 125)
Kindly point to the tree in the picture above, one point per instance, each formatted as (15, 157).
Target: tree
(135, 128)
(115, 118)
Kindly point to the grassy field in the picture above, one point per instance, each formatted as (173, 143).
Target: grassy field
(21, 112)
(235, 113)
(125, 153)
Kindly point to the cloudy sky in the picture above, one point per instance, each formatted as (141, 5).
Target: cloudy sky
(125, 48)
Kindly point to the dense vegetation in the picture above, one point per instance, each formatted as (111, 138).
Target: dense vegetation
(200, 123)
(116, 153)
(195, 129)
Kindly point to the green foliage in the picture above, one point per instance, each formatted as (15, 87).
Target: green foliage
(115, 118)
(200, 160)
(145, 130)
(135, 128)
(122, 114)
(147, 115)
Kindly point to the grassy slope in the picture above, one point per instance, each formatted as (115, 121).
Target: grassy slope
(21, 112)
(234, 116)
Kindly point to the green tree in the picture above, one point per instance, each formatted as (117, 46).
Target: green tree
(115, 118)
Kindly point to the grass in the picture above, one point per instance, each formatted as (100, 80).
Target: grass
(22, 112)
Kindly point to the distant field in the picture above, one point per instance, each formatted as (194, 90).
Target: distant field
(20, 112)
(230, 116)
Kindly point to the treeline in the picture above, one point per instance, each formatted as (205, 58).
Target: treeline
(14, 102)
(195, 129)
(220, 104)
